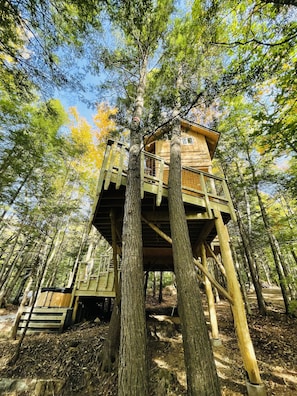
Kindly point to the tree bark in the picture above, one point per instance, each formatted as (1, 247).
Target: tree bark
(110, 351)
(133, 370)
(202, 378)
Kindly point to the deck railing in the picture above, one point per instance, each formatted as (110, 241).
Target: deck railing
(97, 274)
(154, 177)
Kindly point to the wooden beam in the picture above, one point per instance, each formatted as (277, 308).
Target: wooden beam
(220, 265)
(164, 217)
(210, 299)
(239, 316)
(204, 234)
(196, 262)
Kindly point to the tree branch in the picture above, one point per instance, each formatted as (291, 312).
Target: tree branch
(253, 40)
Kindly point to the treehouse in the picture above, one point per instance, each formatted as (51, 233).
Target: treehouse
(202, 192)
(208, 208)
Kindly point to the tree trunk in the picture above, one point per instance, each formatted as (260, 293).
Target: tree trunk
(202, 378)
(248, 247)
(111, 345)
(278, 259)
(241, 281)
(252, 266)
(160, 299)
(133, 370)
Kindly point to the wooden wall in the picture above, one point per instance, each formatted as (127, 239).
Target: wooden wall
(195, 155)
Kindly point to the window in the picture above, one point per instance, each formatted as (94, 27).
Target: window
(187, 140)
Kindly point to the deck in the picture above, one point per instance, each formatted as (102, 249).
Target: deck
(202, 194)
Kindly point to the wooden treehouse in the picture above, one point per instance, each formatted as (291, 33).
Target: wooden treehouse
(202, 191)
(208, 209)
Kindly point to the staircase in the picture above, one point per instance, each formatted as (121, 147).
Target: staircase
(45, 319)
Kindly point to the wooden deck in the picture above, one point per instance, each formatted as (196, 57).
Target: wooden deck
(202, 194)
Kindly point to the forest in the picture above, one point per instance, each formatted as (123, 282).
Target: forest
(140, 66)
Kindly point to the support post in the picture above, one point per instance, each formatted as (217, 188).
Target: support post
(115, 256)
(243, 335)
(75, 307)
(211, 302)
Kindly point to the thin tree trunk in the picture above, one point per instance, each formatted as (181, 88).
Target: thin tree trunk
(275, 250)
(248, 248)
(35, 293)
(15, 195)
(160, 299)
(5, 274)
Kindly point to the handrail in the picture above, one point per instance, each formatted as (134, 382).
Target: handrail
(155, 170)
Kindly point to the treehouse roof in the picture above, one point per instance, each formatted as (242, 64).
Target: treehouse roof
(211, 136)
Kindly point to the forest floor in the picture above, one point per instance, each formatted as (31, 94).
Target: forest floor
(69, 363)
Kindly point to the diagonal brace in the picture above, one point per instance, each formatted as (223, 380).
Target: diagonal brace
(196, 262)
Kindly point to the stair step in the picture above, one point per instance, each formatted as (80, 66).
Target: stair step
(47, 320)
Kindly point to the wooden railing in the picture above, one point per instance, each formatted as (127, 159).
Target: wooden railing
(154, 178)
(97, 274)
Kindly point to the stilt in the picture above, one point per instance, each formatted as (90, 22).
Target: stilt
(211, 303)
(115, 256)
(75, 307)
(240, 322)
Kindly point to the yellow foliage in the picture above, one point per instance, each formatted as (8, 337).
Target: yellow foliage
(83, 137)
(89, 141)
(104, 122)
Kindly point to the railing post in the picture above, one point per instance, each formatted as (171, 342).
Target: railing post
(228, 196)
(120, 170)
(141, 174)
(110, 167)
(160, 184)
(204, 190)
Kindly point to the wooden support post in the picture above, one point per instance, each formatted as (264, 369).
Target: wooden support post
(240, 321)
(75, 307)
(196, 262)
(210, 301)
(115, 255)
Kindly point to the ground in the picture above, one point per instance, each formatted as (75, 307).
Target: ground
(70, 362)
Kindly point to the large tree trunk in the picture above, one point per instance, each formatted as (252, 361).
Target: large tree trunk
(202, 378)
(133, 372)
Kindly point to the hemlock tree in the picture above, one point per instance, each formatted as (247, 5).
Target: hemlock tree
(141, 26)
(177, 88)
(202, 378)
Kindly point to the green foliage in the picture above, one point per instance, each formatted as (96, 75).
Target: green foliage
(35, 34)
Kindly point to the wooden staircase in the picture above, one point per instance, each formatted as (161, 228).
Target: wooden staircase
(45, 319)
